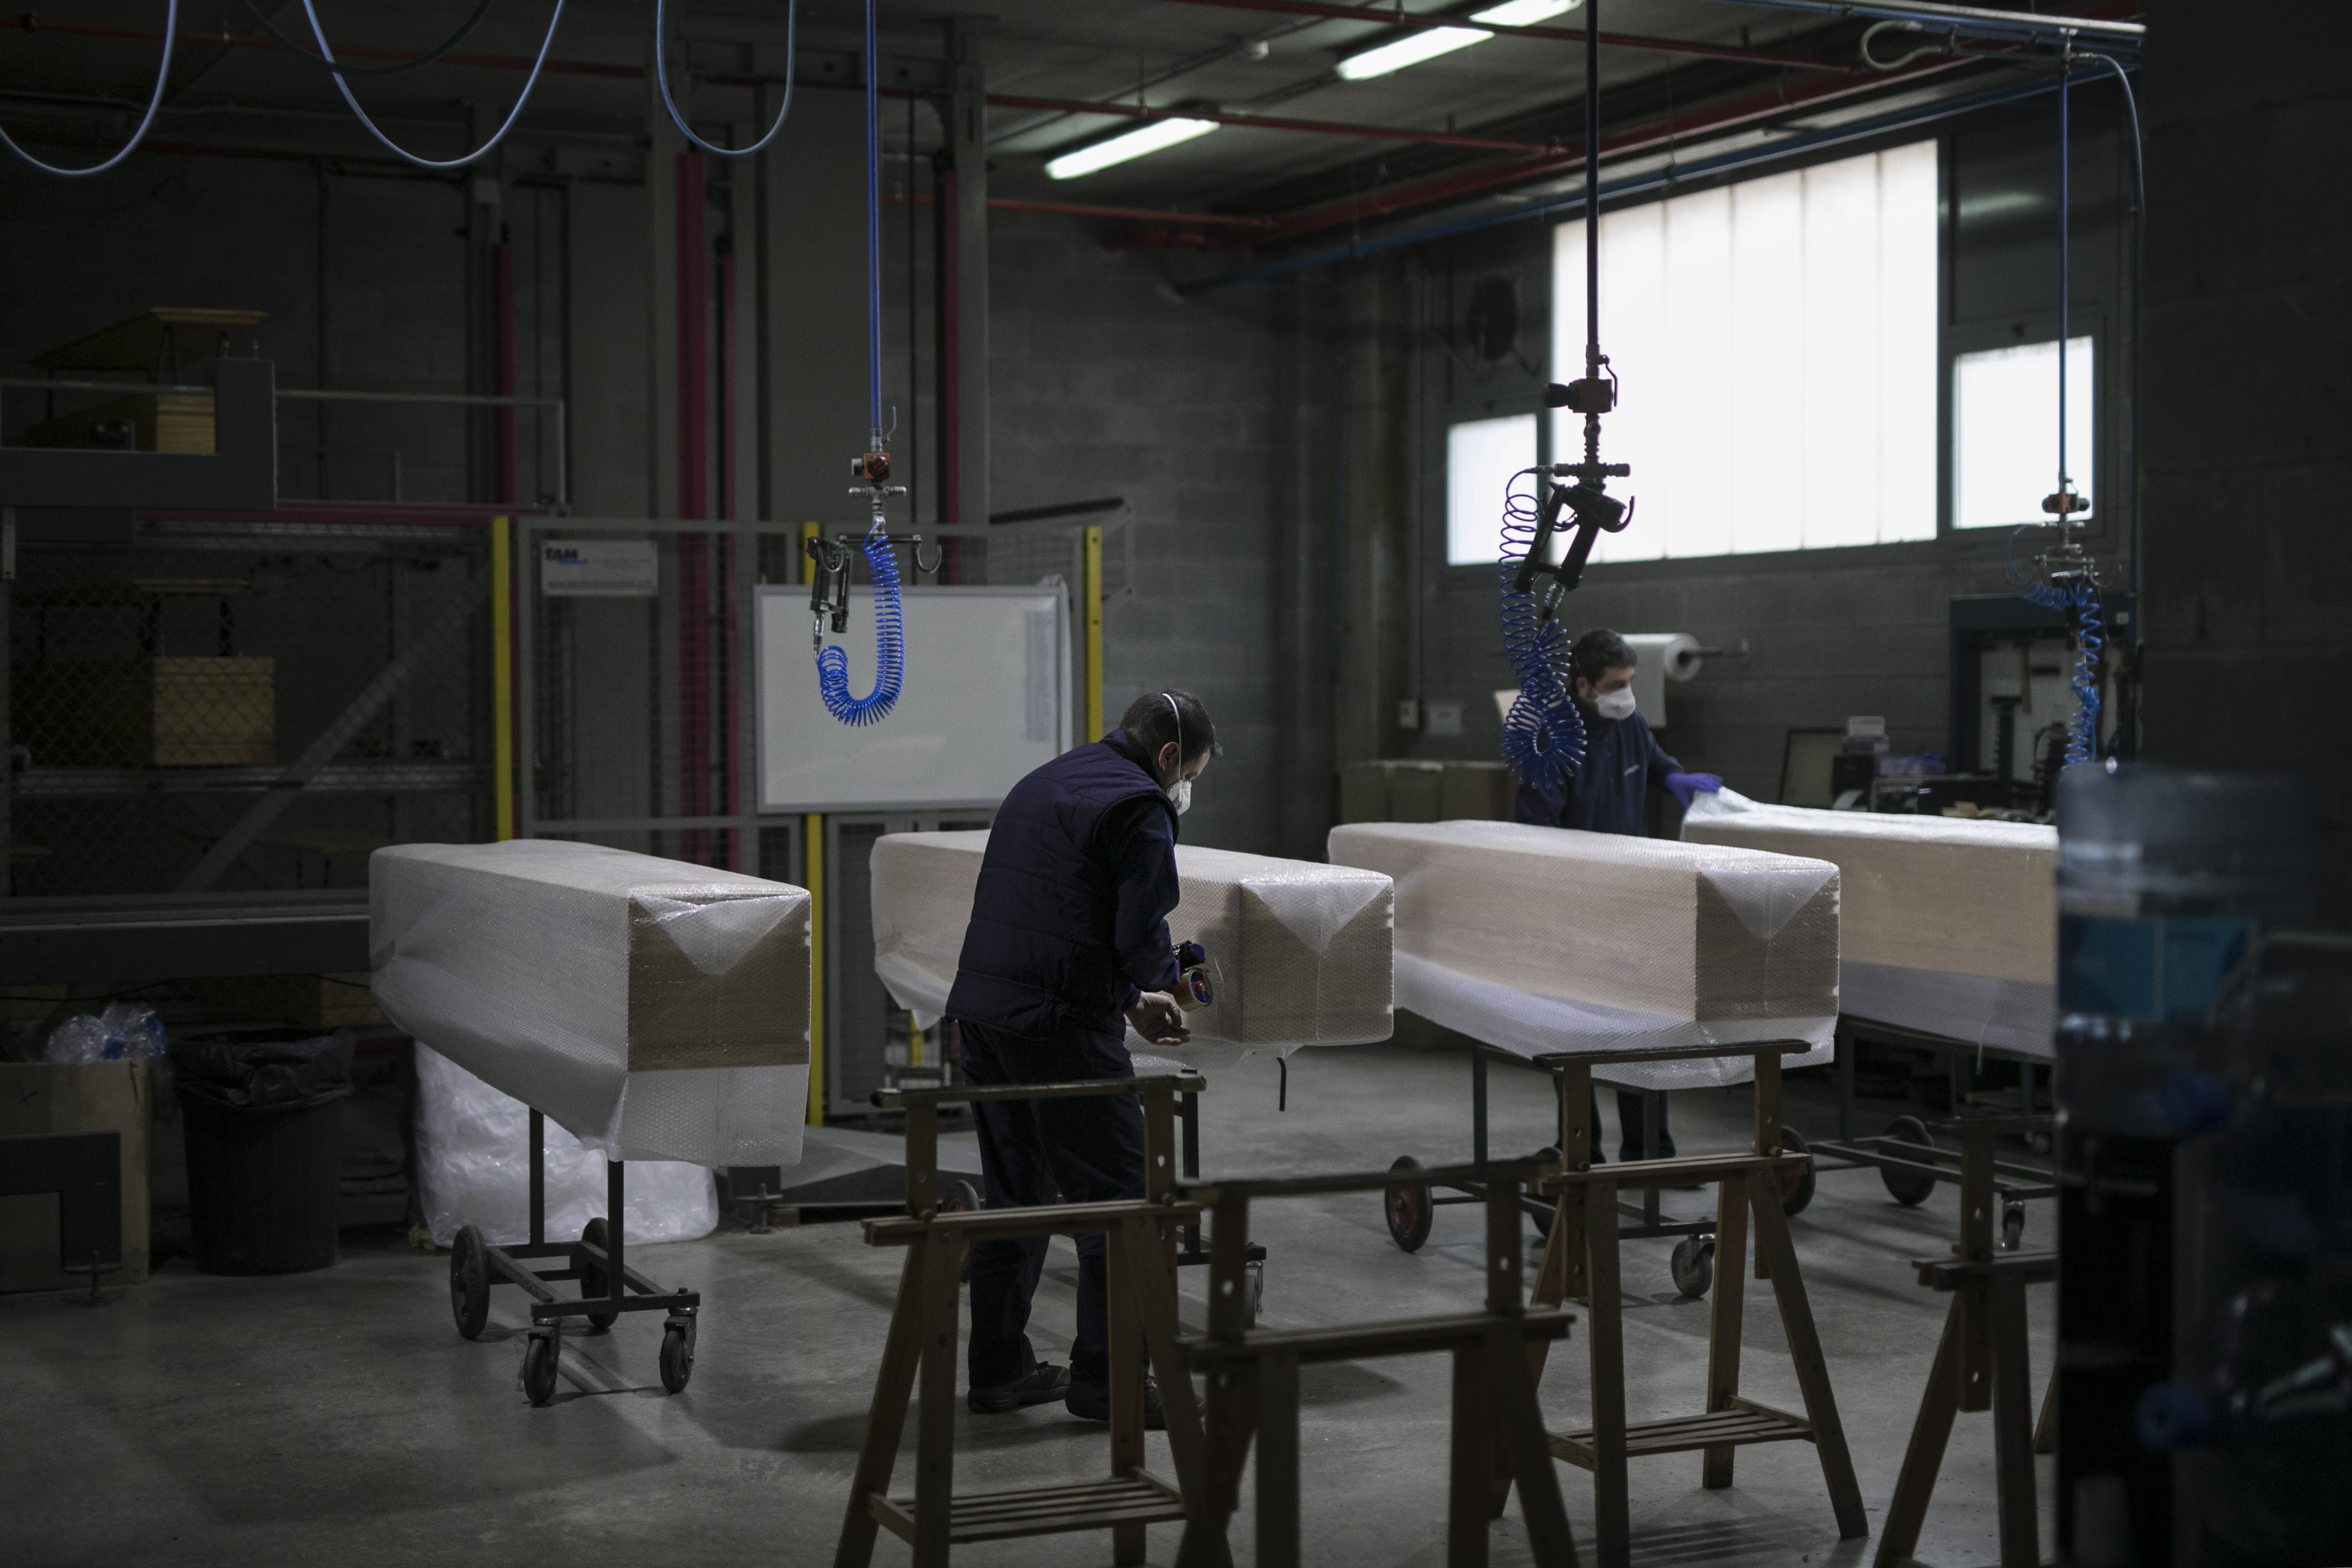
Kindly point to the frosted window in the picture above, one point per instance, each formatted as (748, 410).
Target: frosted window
(1481, 456)
(2005, 432)
(1775, 342)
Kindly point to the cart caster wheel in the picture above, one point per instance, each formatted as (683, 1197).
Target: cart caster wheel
(539, 1353)
(1797, 1187)
(593, 1280)
(1904, 1188)
(1253, 1285)
(960, 1198)
(1410, 1211)
(1693, 1265)
(677, 1354)
(2013, 1226)
(469, 1282)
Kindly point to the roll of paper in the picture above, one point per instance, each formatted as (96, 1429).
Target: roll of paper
(1658, 658)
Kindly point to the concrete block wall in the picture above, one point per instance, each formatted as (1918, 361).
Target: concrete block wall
(2248, 438)
(1103, 382)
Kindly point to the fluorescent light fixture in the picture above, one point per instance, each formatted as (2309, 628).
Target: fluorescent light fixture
(1431, 42)
(1408, 50)
(1525, 12)
(1157, 136)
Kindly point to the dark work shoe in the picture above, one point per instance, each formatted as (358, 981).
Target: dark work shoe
(1042, 1386)
(1090, 1401)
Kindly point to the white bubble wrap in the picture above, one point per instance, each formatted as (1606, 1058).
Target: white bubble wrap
(473, 1167)
(1545, 939)
(657, 1010)
(1951, 924)
(1300, 953)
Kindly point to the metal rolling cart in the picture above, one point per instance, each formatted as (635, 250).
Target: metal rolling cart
(1410, 1207)
(1907, 1155)
(596, 1261)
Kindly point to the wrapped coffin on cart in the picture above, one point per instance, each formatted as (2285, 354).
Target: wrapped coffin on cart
(657, 1010)
(1298, 952)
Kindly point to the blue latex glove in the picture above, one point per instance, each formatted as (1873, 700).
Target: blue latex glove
(1681, 787)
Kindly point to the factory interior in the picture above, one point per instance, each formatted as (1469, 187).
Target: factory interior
(1745, 592)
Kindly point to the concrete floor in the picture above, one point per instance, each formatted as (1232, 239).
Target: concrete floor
(337, 1417)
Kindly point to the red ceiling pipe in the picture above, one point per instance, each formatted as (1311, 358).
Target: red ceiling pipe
(1262, 123)
(502, 371)
(1739, 111)
(1079, 209)
(1390, 17)
(693, 296)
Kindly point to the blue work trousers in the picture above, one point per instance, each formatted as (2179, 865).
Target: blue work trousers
(1042, 1152)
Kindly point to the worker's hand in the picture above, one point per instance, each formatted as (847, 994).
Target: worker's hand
(1158, 1019)
(1681, 787)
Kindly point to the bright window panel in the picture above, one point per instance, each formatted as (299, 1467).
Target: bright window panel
(2005, 432)
(1481, 456)
(1776, 344)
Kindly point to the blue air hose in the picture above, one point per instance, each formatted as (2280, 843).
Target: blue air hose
(882, 564)
(154, 103)
(889, 648)
(2079, 601)
(1543, 734)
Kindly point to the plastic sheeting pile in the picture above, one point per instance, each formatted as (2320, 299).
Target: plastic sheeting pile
(1951, 924)
(1544, 940)
(473, 1167)
(1300, 953)
(657, 1010)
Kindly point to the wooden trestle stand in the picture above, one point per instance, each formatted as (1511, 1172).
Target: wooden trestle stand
(1253, 1382)
(1980, 1363)
(923, 1336)
(1580, 1262)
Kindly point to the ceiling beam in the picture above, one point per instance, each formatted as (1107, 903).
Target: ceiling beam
(1263, 123)
(1389, 16)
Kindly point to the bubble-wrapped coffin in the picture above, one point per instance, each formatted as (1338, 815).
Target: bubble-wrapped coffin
(1951, 924)
(1543, 940)
(1300, 951)
(655, 1009)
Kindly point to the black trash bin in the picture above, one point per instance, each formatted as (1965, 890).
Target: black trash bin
(265, 1147)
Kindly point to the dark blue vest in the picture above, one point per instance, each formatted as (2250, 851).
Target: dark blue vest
(1039, 958)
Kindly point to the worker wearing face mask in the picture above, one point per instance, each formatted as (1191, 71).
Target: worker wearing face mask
(1068, 945)
(1608, 794)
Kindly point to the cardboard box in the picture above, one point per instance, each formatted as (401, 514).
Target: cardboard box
(155, 712)
(57, 1097)
(179, 422)
(321, 1002)
(1404, 789)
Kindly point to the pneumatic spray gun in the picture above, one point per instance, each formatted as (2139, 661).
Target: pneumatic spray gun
(829, 559)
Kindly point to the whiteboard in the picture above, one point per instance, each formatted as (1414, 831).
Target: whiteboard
(986, 699)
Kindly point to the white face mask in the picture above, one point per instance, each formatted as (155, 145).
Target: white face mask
(1180, 795)
(1618, 704)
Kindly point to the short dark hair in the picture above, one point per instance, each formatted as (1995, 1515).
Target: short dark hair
(1151, 721)
(1597, 652)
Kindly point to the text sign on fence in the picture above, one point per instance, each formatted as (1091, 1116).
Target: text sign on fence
(599, 568)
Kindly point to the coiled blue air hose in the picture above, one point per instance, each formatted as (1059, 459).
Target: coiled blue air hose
(882, 564)
(1543, 734)
(889, 646)
(2078, 600)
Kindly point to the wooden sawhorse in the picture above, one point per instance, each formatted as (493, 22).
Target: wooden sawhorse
(1581, 1262)
(1253, 1382)
(1141, 1237)
(1981, 1361)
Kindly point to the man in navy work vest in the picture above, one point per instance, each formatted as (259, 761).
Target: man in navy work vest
(1607, 794)
(1069, 945)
